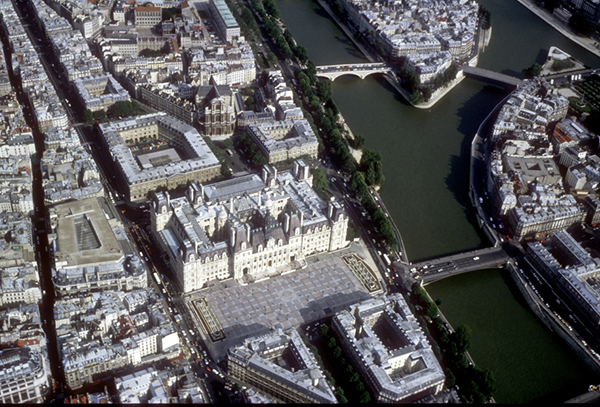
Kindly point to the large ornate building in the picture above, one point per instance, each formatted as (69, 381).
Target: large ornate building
(216, 111)
(246, 226)
(185, 158)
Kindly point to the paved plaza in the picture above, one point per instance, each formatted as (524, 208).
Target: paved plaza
(324, 287)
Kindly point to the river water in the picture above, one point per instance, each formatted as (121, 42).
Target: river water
(425, 156)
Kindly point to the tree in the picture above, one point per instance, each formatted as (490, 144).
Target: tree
(88, 116)
(432, 310)
(301, 53)
(272, 58)
(416, 98)
(580, 24)
(370, 164)
(271, 8)
(462, 338)
(304, 84)
(533, 71)
(283, 47)
(272, 28)
(320, 186)
(289, 38)
(358, 141)
(124, 108)
(249, 103)
(99, 114)
(332, 343)
(357, 180)
(258, 160)
(225, 170)
(311, 71)
(324, 90)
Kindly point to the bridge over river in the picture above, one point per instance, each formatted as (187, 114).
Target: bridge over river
(436, 269)
(361, 70)
(495, 78)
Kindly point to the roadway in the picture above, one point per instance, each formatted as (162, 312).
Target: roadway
(495, 77)
(448, 266)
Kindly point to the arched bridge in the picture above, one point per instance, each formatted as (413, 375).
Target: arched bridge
(433, 270)
(491, 76)
(361, 70)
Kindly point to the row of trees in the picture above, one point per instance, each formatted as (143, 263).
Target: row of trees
(321, 112)
(225, 169)
(250, 29)
(250, 150)
(339, 371)
(320, 184)
(359, 186)
(316, 95)
(475, 385)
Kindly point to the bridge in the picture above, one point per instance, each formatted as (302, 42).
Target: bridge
(332, 72)
(492, 77)
(437, 269)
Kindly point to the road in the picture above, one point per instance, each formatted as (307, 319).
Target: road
(440, 268)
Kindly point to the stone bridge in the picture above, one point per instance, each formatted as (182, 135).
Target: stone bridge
(332, 72)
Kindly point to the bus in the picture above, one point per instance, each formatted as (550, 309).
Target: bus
(387, 259)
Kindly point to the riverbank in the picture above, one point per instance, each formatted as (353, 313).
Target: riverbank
(562, 28)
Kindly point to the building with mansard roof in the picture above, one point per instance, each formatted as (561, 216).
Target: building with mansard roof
(281, 365)
(246, 227)
(385, 343)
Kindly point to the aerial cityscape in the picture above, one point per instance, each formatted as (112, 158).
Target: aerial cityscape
(307, 201)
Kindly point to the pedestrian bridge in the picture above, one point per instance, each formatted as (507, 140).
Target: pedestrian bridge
(437, 269)
(495, 78)
(332, 72)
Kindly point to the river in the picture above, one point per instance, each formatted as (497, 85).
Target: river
(425, 155)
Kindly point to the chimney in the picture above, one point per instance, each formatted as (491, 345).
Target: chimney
(191, 194)
(264, 174)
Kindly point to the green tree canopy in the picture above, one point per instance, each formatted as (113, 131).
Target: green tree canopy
(88, 116)
(124, 108)
(533, 71)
